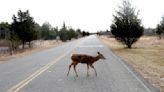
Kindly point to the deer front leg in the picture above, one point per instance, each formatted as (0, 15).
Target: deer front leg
(87, 70)
(94, 69)
(69, 69)
(75, 69)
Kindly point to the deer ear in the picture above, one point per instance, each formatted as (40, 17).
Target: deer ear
(98, 52)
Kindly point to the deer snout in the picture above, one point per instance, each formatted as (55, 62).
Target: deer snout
(103, 58)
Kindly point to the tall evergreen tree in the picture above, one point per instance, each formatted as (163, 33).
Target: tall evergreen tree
(4, 30)
(45, 30)
(126, 26)
(24, 26)
(63, 33)
(160, 28)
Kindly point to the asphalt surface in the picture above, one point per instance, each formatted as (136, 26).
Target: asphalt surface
(46, 71)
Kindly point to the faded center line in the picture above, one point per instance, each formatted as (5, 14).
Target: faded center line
(23, 83)
(91, 46)
(26, 81)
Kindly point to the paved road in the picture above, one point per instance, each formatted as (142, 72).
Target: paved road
(45, 71)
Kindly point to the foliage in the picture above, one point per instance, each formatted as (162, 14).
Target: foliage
(85, 33)
(24, 26)
(26, 29)
(160, 28)
(67, 34)
(63, 33)
(126, 27)
(48, 32)
(72, 33)
(38, 30)
(4, 30)
(53, 33)
(45, 29)
(14, 42)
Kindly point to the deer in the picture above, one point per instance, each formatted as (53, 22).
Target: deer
(85, 59)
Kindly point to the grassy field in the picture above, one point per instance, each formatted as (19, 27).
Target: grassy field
(146, 56)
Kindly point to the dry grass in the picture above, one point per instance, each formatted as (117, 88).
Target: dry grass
(38, 46)
(146, 56)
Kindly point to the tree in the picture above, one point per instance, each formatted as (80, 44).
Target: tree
(38, 30)
(79, 33)
(14, 42)
(24, 26)
(84, 33)
(160, 28)
(45, 30)
(48, 32)
(53, 33)
(87, 33)
(72, 33)
(4, 30)
(63, 33)
(126, 27)
(56, 31)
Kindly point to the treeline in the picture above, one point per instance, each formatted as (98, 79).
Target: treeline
(64, 34)
(24, 29)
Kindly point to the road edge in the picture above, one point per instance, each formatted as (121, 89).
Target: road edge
(145, 81)
(134, 71)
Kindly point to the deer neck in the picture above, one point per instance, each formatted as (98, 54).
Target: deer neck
(96, 58)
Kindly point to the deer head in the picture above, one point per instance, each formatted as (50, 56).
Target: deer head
(100, 55)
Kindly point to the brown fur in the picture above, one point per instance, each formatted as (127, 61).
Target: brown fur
(84, 59)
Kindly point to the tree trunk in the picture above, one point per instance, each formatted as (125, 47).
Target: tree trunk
(11, 51)
(29, 44)
(160, 37)
(129, 45)
(23, 44)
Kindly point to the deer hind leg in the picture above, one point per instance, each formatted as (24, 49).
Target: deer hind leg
(94, 69)
(69, 68)
(87, 70)
(75, 68)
